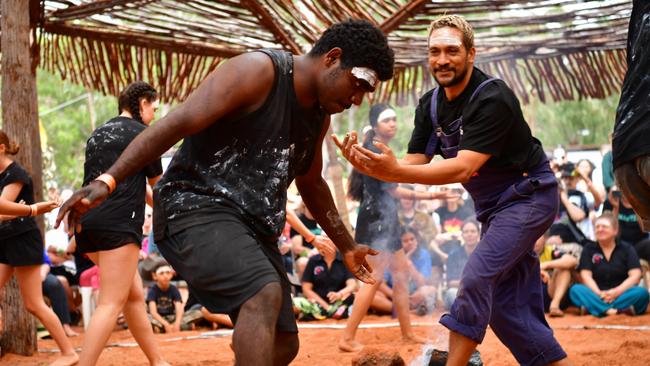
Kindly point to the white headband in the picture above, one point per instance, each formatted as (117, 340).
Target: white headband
(364, 73)
(445, 41)
(386, 114)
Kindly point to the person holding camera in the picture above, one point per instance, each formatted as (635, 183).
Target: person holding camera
(574, 209)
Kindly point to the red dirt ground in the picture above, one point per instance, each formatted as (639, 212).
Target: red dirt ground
(318, 346)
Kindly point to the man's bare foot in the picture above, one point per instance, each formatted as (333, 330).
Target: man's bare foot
(66, 360)
(350, 346)
(68, 331)
(412, 338)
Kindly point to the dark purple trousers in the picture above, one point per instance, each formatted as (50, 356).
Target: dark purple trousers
(501, 284)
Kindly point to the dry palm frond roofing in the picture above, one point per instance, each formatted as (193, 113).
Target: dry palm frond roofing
(551, 49)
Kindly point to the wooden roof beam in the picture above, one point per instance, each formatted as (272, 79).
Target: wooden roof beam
(401, 15)
(142, 40)
(267, 20)
(93, 8)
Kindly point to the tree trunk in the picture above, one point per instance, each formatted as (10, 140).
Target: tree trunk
(20, 122)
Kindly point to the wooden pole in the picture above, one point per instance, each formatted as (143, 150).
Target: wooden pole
(20, 122)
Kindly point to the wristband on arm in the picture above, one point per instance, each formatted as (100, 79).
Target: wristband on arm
(108, 180)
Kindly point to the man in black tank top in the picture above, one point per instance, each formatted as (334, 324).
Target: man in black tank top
(252, 127)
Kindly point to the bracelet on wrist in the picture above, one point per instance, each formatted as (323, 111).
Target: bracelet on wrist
(108, 180)
(33, 210)
(311, 238)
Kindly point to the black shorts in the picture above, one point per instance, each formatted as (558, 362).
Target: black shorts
(91, 241)
(225, 263)
(26, 249)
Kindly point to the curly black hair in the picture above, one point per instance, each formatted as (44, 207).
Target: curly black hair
(129, 99)
(363, 45)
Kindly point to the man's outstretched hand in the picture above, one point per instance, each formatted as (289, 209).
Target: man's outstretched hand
(80, 202)
(381, 166)
(356, 262)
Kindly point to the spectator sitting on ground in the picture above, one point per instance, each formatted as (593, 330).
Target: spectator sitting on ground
(451, 215)
(558, 263)
(610, 273)
(307, 238)
(458, 258)
(195, 313)
(53, 289)
(629, 229)
(421, 289)
(165, 302)
(418, 220)
(425, 227)
(328, 287)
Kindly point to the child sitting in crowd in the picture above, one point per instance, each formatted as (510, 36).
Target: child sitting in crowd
(165, 303)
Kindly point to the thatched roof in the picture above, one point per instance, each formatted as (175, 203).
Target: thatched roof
(556, 49)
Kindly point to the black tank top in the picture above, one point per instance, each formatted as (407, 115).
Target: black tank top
(244, 164)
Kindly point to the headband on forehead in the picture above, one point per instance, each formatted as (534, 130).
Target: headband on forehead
(163, 268)
(364, 73)
(445, 41)
(386, 114)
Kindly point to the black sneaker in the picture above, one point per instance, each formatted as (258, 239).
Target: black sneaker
(627, 311)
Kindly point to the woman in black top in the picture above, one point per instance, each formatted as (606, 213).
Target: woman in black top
(111, 232)
(378, 226)
(21, 248)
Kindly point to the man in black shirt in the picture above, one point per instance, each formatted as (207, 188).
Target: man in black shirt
(631, 145)
(476, 124)
(256, 123)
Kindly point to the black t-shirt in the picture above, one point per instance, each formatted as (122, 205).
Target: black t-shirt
(564, 226)
(14, 173)
(326, 279)
(492, 124)
(629, 230)
(378, 220)
(609, 274)
(124, 209)
(164, 299)
(451, 222)
(633, 113)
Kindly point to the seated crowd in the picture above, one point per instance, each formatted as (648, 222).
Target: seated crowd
(594, 258)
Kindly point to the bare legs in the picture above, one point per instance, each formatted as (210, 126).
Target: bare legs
(366, 294)
(121, 288)
(255, 336)
(29, 282)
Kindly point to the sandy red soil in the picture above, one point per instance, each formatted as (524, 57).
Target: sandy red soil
(318, 346)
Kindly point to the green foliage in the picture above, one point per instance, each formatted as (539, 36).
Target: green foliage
(576, 123)
(67, 128)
